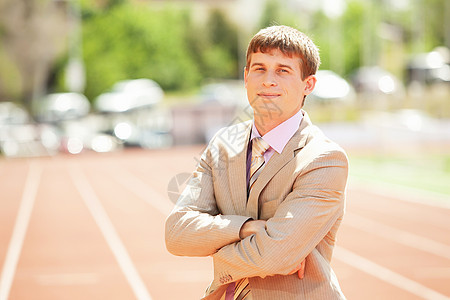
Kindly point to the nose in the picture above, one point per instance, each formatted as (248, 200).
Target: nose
(269, 80)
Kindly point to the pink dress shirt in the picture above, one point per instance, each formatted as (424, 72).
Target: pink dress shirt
(277, 138)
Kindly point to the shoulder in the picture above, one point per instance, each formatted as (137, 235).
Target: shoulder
(233, 135)
(230, 141)
(320, 147)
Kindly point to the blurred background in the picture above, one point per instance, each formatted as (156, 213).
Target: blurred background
(80, 77)
(106, 74)
(103, 75)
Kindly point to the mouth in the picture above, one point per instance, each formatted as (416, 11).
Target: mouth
(268, 95)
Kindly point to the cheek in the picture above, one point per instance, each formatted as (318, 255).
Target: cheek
(292, 89)
(298, 88)
(251, 82)
(252, 98)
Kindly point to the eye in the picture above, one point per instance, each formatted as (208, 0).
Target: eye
(258, 67)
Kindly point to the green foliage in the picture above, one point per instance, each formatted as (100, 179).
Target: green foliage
(125, 41)
(434, 15)
(349, 39)
(214, 47)
(133, 41)
(271, 14)
(221, 56)
(10, 80)
(352, 38)
(277, 13)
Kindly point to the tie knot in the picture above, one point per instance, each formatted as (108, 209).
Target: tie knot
(259, 146)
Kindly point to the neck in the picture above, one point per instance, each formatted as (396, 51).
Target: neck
(264, 125)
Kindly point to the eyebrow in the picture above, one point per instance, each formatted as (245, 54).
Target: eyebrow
(256, 64)
(278, 65)
(285, 66)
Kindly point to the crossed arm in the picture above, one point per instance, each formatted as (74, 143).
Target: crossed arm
(248, 248)
(252, 226)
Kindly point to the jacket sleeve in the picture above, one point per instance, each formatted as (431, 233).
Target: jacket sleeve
(195, 227)
(300, 222)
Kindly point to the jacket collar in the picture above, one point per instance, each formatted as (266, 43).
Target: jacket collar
(276, 163)
(238, 165)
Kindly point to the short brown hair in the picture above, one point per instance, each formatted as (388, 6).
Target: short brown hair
(290, 42)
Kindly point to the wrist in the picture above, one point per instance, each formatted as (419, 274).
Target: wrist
(250, 227)
(243, 232)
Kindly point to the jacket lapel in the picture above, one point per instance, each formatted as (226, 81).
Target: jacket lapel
(237, 169)
(276, 163)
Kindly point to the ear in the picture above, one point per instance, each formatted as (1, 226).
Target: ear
(245, 76)
(310, 83)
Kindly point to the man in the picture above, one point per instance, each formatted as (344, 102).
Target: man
(268, 220)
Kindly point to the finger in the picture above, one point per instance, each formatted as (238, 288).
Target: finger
(301, 271)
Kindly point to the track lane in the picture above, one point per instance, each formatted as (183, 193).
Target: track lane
(65, 254)
(19, 230)
(425, 220)
(13, 174)
(109, 232)
(141, 227)
(385, 244)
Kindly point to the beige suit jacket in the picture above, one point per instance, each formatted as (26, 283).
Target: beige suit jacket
(301, 194)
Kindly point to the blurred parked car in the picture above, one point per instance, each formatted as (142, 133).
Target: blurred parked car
(332, 87)
(375, 80)
(429, 68)
(226, 92)
(11, 113)
(220, 103)
(128, 95)
(146, 128)
(87, 134)
(133, 114)
(20, 137)
(61, 106)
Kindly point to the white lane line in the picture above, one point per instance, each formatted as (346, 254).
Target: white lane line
(386, 275)
(144, 191)
(112, 238)
(20, 229)
(397, 235)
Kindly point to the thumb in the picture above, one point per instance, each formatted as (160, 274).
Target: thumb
(301, 271)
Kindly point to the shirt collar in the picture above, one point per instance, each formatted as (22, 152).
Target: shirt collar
(279, 136)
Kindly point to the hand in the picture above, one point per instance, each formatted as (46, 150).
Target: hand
(300, 270)
(251, 227)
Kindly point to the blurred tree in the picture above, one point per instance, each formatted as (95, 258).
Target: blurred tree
(92, 6)
(276, 13)
(220, 56)
(271, 14)
(356, 37)
(432, 14)
(129, 39)
(133, 41)
(32, 36)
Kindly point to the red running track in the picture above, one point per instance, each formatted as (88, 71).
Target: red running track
(92, 227)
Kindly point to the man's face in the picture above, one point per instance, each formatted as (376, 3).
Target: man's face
(275, 88)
